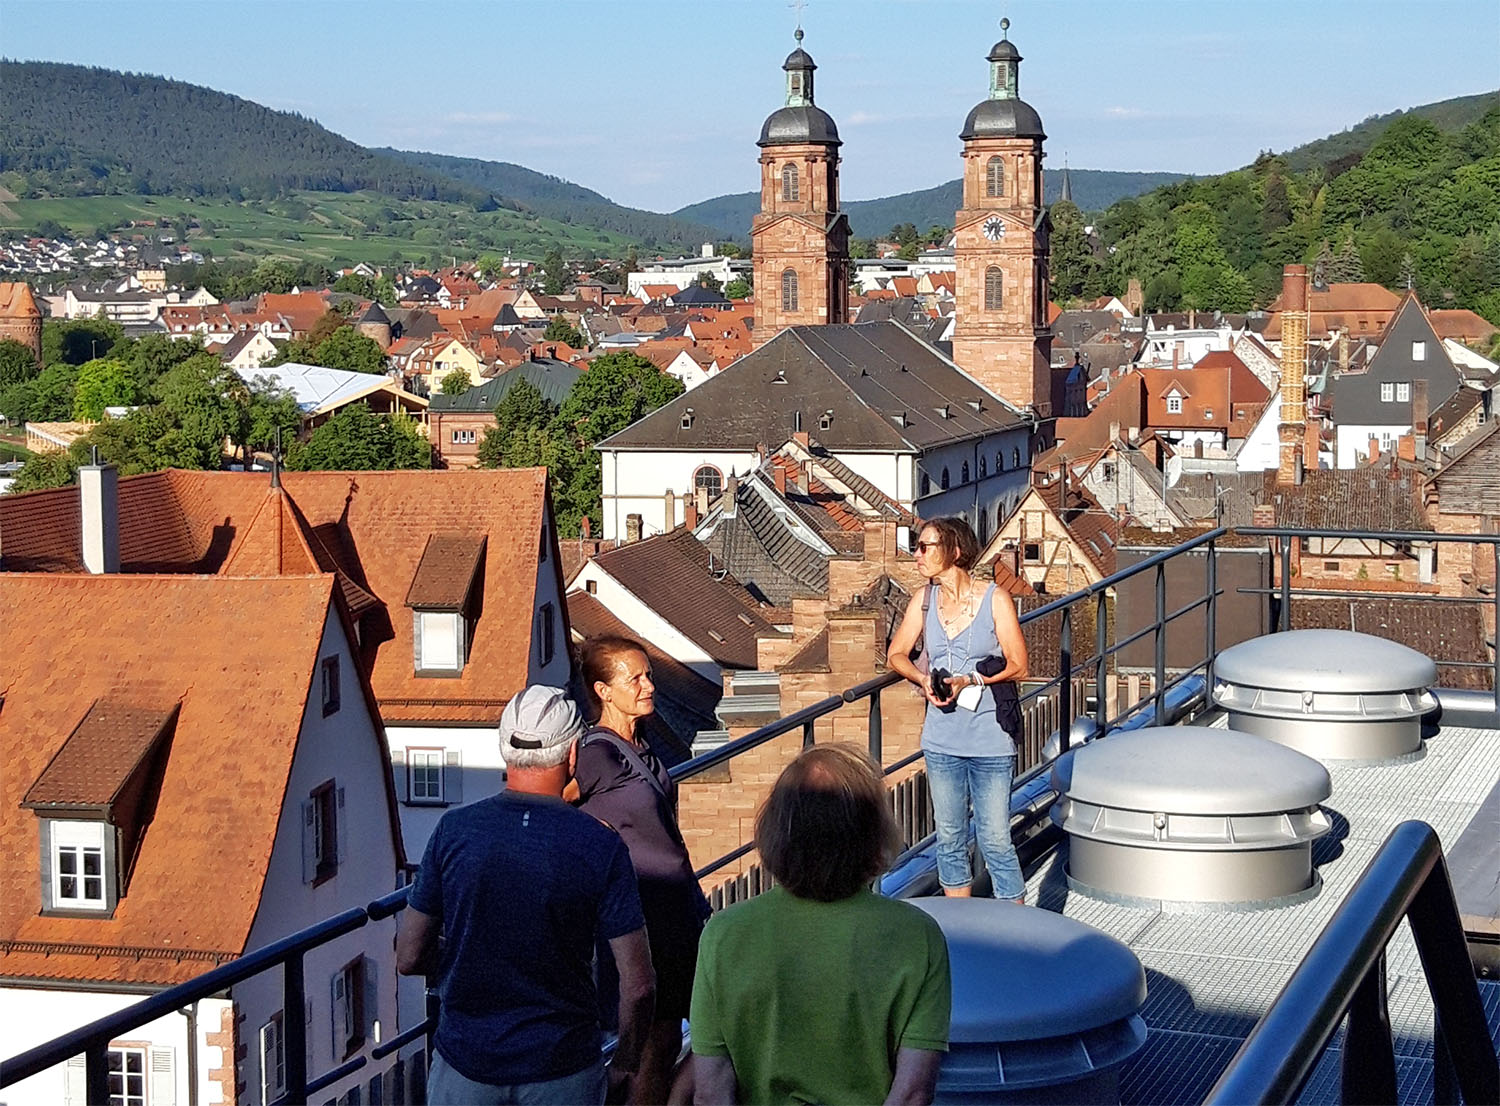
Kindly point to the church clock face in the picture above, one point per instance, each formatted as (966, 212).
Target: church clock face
(994, 229)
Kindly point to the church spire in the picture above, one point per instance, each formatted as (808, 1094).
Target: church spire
(1067, 183)
(1005, 67)
(799, 76)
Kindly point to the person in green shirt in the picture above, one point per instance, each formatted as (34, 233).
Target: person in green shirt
(819, 990)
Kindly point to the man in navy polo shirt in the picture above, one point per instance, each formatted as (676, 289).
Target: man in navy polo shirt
(518, 887)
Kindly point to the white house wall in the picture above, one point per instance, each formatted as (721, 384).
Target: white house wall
(30, 1016)
(480, 766)
(636, 482)
(1262, 448)
(1353, 442)
(347, 748)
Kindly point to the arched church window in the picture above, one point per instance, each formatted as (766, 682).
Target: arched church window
(963, 476)
(789, 290)
(791, 188)
(999, 460)
(994, 178)
(984, 525)
(710, 480)
(944, 481)
(1015, 458)
(994, 288)
(926, 484)
(983, 461)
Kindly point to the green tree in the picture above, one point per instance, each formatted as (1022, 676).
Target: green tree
(554, 273)
(260, 409)
(78, 340)
(17, 363)
(737, 289)
(1073, 267)
(51, 394)
(357, 439)
(729, 249)
(560, 330)
(456, 383)
(45, 470)
(384, 291)
(522, 434)
(347, 348)
(106, 382)
(356, 284)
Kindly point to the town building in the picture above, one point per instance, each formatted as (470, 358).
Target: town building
(218, 785)
(800, 238)
(20, 317)
(457, 423)
(322, 393)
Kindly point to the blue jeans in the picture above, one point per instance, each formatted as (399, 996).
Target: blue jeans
(446, 1087)
(954, 783)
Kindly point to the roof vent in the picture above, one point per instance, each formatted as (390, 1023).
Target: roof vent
(1045, 1008)
(780, 377)
(1332, 694)
(1187, 814)
(687, 418)
(899, 418)
(945, 412)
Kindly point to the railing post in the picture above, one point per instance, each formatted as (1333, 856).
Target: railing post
(1284, 617)
(1101, 663)
(807, 733)
(1161, 645)
(877, 750)
(1369, 1062)
(294, 1028)
(1065, 673)
(1211, 624)
(96, 1072)
(1444, 1075)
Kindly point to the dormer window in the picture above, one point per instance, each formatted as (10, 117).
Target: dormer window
(95, 799)
(1174, 404)
(443, 599)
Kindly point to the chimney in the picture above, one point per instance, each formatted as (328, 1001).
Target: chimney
(632, 528)
(1176, 350)
(1406, 447)
(801, 436)
(1344, 351)
(583, 527)
(1374, 447)
(671, 502)
(1114, 431)
(701, 501)
(802, 485)
(1294, 322)
(778, 476)
(732, 487)
(1419, 417)
(1312, 445)
(690, 514)
(99, 498)
(1298, 472)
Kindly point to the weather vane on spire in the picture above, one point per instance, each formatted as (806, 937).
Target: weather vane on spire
(1005, 26)
(798, 6)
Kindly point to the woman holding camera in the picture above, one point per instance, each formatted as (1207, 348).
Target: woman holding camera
(975, 653)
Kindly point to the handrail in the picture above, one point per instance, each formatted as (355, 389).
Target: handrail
(1344, 972)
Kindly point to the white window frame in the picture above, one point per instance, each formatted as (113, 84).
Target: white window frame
(431, 659)
(1388, 392)
(1403, 391)
(272, 1059)
(422, 760)
(1174, 404)
(1419, 351)
(125, 1098)
(77, 840)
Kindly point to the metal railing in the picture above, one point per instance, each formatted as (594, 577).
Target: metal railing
(1173, 693)
(1343, 974)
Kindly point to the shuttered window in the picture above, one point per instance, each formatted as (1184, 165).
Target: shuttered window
(789, 290)
(994, 288)
(994, 178)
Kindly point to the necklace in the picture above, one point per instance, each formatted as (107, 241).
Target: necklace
(964, 603)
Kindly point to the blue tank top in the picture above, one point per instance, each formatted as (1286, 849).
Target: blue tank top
(954, 730)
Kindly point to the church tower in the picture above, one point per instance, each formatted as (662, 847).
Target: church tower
(800, 239)
(1000, 335)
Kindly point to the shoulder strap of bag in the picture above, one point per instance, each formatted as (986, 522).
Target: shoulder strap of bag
(632, 758)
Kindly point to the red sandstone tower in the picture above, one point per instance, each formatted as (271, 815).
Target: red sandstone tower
(800, 239)
(20, 318)
(1000, 335)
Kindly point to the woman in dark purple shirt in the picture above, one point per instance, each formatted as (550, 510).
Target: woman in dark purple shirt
(622, 783)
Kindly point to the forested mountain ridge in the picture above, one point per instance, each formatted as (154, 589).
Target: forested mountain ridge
(1447, 115)
(73, 130)
(1417, 206)
(563, 200)
(1093, 190)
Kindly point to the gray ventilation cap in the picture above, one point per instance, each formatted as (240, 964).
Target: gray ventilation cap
(1339, 661)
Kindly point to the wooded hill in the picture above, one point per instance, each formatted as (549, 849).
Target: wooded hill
(1417, 204)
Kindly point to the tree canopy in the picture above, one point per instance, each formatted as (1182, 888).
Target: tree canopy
(357, 439)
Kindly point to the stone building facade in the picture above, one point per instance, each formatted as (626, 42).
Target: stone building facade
(20, 317)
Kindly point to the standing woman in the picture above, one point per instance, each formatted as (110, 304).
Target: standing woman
(622, 783)
(971, 632)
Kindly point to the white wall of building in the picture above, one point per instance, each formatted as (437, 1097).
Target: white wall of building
(477, 770)
(1189, 345)
(30, 1016)
(344, 747)
(1352, 443)
(1262, 446)
(636, 482)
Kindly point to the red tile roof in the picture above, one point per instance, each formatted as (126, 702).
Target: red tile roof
(17, 302)
(240, 656)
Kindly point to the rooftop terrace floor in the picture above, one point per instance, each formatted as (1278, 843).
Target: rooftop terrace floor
(1212, 975)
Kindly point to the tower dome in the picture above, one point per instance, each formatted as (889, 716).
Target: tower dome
(1003, 114)
(800, 120)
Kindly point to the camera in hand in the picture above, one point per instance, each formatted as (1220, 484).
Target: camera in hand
(942, 685)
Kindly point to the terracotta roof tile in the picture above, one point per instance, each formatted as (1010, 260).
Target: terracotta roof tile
(99, 755)
(445, 574)
(17, 302)
(240, 656)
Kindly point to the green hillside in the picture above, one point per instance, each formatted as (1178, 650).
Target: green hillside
(563, 200)
(1447, 115)
(1093, 190)
(320, 226)
(70, 130)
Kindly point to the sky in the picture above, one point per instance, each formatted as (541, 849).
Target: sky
(658, 103)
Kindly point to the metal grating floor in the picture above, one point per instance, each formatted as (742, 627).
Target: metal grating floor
(1211, 975)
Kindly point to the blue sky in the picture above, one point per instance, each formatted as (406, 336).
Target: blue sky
(657, 103)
